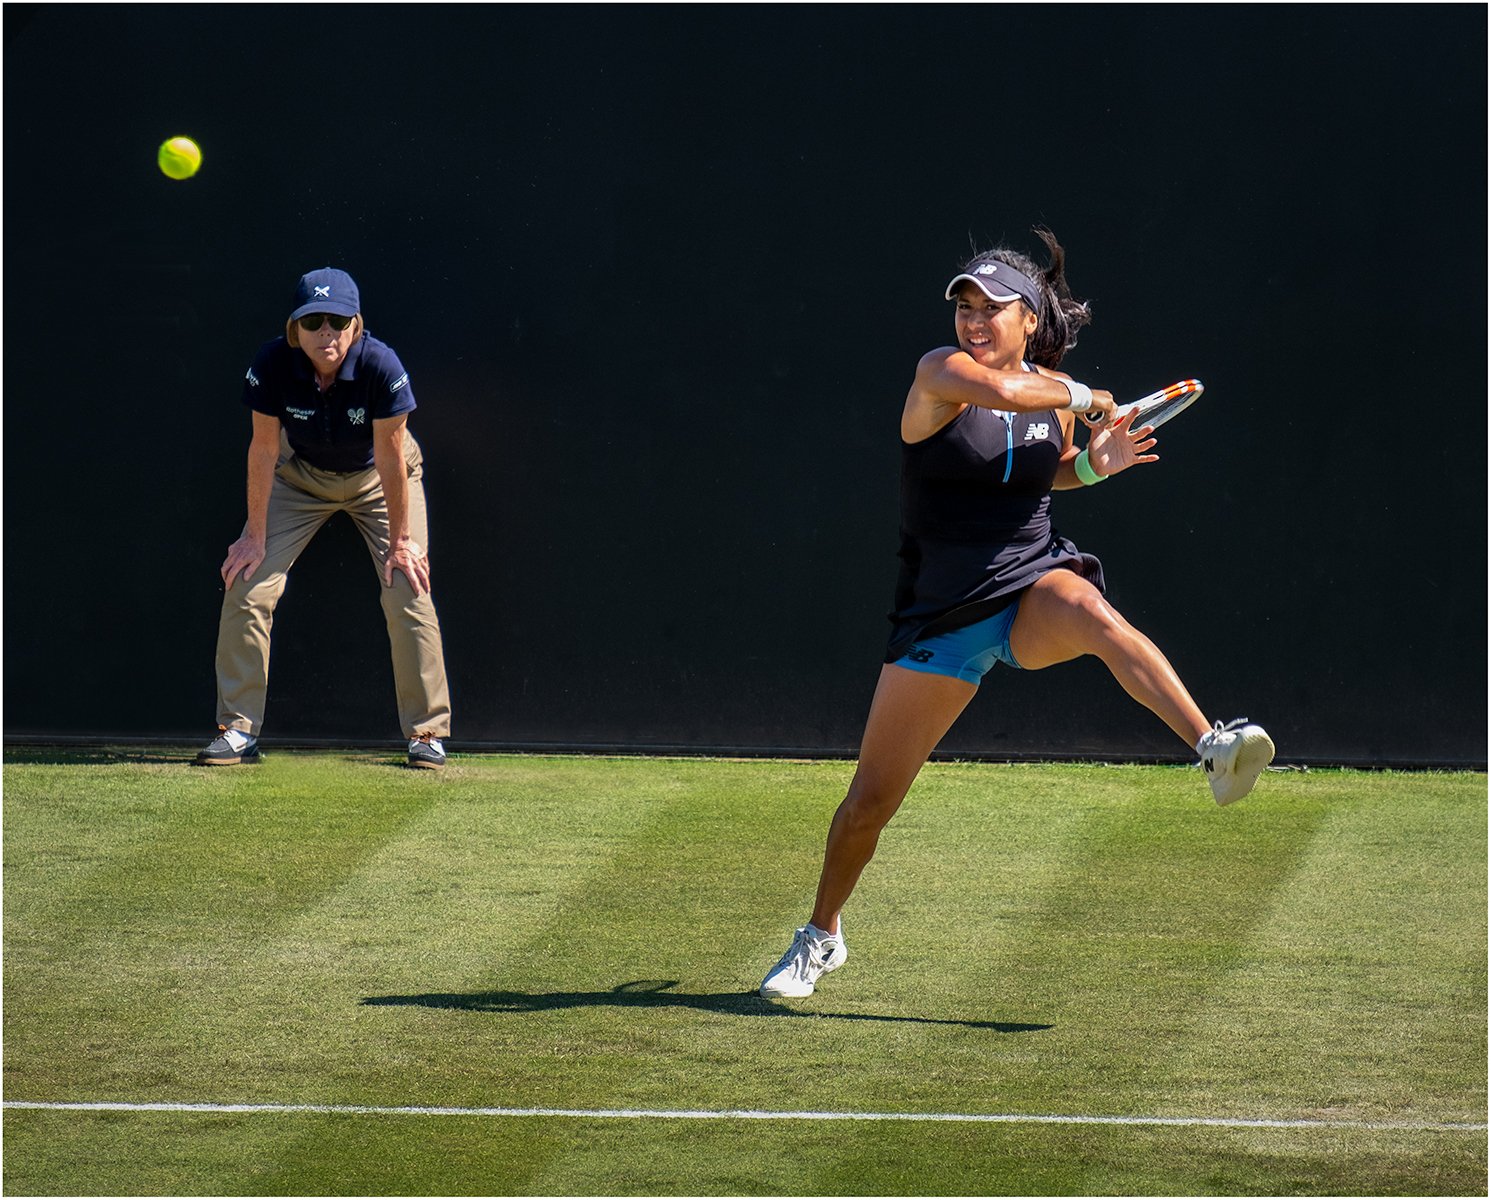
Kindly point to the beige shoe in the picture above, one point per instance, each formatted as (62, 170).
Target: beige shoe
(1233, 756)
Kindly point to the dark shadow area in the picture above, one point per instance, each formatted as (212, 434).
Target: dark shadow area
(671, 480)
(655, 993)
(59, 756)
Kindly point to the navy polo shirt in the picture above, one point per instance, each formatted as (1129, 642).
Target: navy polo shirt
(332, 430)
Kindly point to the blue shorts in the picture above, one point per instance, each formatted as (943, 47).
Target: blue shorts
(968, 653)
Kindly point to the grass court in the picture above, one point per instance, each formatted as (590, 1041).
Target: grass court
(1113, 985)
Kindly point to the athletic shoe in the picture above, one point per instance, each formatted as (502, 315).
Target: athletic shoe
(426, 751)
(813, 953)
(1233, 757)
(231, 748)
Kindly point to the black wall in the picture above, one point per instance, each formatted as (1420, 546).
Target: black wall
(661, 276)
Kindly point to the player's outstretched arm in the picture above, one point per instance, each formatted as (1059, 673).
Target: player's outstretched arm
(950, 376)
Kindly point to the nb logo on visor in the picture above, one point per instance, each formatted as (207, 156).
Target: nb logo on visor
(987, 269)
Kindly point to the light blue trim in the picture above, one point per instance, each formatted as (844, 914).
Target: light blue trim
(1009, 435)
(968, 653)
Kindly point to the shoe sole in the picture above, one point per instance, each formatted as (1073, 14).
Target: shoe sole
(427, 766)
(1256, 753)
(248, 760)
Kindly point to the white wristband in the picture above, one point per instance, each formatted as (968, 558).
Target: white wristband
(1081, 396)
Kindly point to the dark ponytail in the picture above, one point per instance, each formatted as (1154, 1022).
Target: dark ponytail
(1060, 316)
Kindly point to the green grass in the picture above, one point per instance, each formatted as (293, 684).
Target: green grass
(587, 933)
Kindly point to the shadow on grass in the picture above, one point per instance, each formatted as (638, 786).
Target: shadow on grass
(655, 993)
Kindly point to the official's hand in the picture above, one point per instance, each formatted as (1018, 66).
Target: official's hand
(1101, 411)
(410, 558)
(1115, 447)
(243, 555)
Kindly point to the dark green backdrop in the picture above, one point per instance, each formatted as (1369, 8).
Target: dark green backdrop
(661, 276)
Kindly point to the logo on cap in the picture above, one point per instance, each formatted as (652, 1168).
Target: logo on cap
(986, 269)
(324, 292)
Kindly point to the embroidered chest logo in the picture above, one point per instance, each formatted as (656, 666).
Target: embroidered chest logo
(357, 415)
(1035, 433)
(301, 414)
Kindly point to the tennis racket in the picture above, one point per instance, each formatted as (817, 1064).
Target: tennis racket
(1163, 405)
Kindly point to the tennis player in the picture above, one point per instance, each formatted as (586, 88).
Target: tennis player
(330, 406)
(987, 435)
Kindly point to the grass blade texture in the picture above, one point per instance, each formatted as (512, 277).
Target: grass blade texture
(585, 935)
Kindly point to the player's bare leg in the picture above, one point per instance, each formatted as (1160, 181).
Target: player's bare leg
(910, 714)
(1062, 617)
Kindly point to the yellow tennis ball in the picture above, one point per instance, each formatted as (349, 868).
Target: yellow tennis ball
(179, 157)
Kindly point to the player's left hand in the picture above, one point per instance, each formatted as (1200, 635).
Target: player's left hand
(1114, 447)
(410, 558)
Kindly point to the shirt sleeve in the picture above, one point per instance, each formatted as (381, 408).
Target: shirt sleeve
(260, 392)
(392, 393)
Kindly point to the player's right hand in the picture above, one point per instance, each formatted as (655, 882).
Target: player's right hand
(1102, 409)
(243, 555)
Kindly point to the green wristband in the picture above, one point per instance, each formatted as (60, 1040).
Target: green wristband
(1085, 472)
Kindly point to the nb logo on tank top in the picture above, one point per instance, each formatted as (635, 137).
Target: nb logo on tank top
(1037, 432)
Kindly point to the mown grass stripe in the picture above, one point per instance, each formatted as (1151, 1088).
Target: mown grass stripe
(360, 1110)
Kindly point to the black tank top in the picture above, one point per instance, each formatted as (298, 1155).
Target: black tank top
(975, 521)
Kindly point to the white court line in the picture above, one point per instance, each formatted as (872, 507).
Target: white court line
(746, 1115)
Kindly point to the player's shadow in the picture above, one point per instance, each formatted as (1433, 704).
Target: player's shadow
(657, 993)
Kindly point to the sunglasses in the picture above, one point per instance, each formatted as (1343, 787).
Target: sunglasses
(312, 322)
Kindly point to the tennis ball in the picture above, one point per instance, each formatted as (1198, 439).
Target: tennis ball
(179, 157)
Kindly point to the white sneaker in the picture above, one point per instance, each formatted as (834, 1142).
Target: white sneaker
(1233, 757)
(813, 953)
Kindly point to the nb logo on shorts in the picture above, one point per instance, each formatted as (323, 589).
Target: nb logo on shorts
(917, 654)
(1037, 432)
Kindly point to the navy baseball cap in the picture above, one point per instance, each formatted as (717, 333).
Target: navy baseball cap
(1000, 281)
(326, 291)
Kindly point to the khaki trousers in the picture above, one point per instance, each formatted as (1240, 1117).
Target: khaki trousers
(301, 501)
